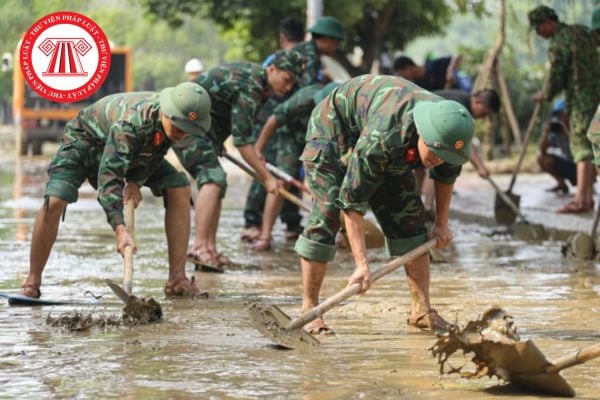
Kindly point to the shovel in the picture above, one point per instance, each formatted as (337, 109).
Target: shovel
(136, 309)
(276, 325)
(527, 230)
(502, 211)
(530, 369)
(373, 236)
(497, 351)
(582, 245)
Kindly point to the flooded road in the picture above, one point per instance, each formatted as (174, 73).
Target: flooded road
(208, 349)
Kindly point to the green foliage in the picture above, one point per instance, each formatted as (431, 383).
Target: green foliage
(372, 25)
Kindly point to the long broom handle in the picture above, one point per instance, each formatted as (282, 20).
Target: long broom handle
(351, 290)
(288, 196)
(128, 256)
(583, 355)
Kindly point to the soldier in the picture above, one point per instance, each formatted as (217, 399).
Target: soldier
(362, 143)
(237, 92)
(291, 32)
(436, 74)
(480, 104)
(118, 144)
(327, 33)
(193, 69)
(574, 70)
(289, 119)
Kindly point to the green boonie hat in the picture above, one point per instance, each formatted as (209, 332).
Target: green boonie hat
(595, 20)
(187, 105)
(290, 61)
(539, 15)
(446, 127)
(329, 26)
(324, 91)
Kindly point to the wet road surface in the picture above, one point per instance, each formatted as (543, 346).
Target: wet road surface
(208, 349)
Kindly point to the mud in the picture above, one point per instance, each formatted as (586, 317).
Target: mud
(489, 338)
(78, 321)
(208, 349)
(139, 311)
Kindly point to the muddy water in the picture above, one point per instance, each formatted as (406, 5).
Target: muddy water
(207, 348)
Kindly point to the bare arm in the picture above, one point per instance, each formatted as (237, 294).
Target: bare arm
(355, 230)
(250, 156)
(443, 195)
(265, 135)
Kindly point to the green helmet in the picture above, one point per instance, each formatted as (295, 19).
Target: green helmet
(187, 105)
(446, 127)
(595, 20)
(329, 26)
(540, 14)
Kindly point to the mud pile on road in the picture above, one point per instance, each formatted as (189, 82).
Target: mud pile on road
(138, 311)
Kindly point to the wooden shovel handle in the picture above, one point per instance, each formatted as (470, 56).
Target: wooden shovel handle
(532, 121)
(583, 355)
(288, 196)
(128, 256)
(351, 290)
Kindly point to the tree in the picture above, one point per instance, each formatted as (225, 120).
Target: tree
(373, 26)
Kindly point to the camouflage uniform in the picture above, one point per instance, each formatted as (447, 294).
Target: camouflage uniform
(574, 69)
(361, 147)
(237, 92)
(312, 69)
(118, 138)
(593, 134)
(255, 200)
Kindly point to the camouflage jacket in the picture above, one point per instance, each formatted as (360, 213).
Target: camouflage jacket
(312, 69)
(128, 141)
(377, 136)
(574, 67)
(292, 115)
(237, 92)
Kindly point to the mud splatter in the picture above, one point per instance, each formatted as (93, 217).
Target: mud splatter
(488, 337)
(140, 311)
(76, 321)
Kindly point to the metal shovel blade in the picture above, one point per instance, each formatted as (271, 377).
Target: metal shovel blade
(271, 321)
(527, 369)
(118, 290)
(531, 232)
(503, 213)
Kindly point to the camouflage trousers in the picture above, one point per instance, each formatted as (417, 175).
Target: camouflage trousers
(78, 160)
(199, 156)
(579, 121)
(593, 135)
(255, 200)
(396, 205)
